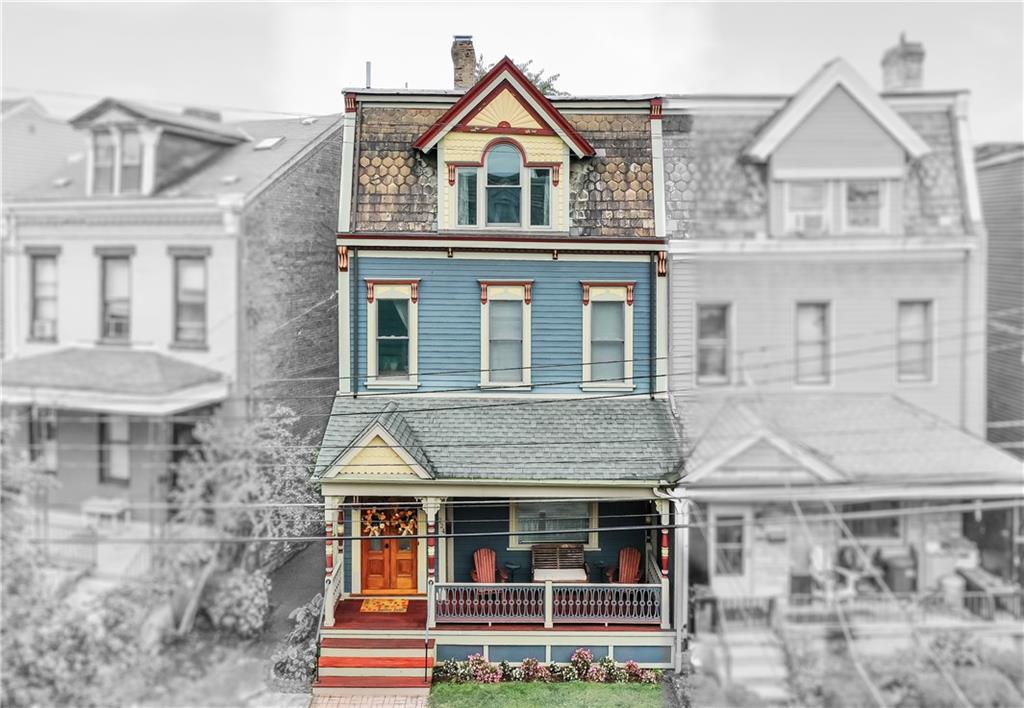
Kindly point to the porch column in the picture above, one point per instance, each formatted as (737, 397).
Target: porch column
(681, 577)
(431, 505)
(330, 549)
(661, 505)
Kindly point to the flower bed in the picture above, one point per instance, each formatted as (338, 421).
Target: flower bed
(581, 667)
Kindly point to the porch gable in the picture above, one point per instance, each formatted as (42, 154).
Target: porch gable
(762, 458)
(376, 453)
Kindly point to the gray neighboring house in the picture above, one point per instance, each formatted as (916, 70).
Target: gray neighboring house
(1001, 183)
(167, 276)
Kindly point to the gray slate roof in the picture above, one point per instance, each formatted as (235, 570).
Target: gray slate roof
(516, 439)
(867, 438)
(107, 371)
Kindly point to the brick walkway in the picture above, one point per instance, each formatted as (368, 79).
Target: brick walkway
(369, 702)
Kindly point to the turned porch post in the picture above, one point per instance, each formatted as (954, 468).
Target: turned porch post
(333, 524)
(681, 577)
(665, 519)
(431, 505)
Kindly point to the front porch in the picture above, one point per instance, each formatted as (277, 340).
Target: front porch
(476, 561)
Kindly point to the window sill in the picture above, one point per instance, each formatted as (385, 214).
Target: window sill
(397, 383)
(913, 381)
(607, 387)
(190, 346)
(104, 341)
(507, 386)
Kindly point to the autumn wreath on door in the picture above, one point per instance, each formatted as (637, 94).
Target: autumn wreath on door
(402, 522)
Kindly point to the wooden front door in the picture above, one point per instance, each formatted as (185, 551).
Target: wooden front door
(389, 551)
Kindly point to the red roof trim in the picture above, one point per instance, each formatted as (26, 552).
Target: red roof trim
(552, 115)
(463, 125)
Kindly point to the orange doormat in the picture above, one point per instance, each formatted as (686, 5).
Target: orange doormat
(384, 604)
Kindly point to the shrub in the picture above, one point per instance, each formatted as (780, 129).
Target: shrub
(581, 660)
(956, 649)
(483, 671)
(531, 670)
(294, 660)
(239, 601)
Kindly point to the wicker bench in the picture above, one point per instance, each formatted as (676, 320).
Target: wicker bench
(559, 562)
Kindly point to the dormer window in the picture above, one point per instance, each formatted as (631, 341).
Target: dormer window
(503, 190)
(118, 156)
(103, 163)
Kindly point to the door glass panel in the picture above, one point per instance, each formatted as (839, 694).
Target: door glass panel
(376, 545)
(405, 544)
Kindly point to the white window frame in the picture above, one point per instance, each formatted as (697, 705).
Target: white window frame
(35, 335)
(790, 215)
(932, 332)
(392, 289)
(177, 260)
(591, 544)
(715, 513)
(43, 438)
(884, 208)
(457, 191)
(506, 291)
(830, 339)
(898, 540)
(112, 425)
(595, 291)
(714, 380)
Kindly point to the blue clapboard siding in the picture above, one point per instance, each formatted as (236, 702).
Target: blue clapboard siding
(494, 519)
(449, 316)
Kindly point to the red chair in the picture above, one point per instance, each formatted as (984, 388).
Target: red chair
(485, 567)
(628, 569)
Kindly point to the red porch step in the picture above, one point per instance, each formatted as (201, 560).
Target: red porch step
(348, 643)
(376, 662)
(371, 682)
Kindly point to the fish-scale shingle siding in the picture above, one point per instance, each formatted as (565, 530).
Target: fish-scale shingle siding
(612, 193)
(395, 186)
(932, 195)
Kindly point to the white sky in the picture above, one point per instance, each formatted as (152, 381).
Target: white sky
(296, 57)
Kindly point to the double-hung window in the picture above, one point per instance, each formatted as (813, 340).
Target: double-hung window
(42, 433)
(914, 346)
(813, 345)
(553, 521)
(467, 195)
(190, 300)
(131, 162)
(116, 298)
(504, 191)
(44, 297)
(729, 545)
(103, 158)
(505, 332)
(712, 344)
(114, 458)
(607, 335)
(392, 324)
(807, 207)
(863, 205)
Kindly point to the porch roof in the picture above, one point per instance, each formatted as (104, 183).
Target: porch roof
(517, 439)
(839, 439)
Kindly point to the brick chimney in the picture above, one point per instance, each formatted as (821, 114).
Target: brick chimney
(903, 66)
(463, 61)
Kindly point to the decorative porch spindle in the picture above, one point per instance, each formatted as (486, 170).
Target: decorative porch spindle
(664, 552)
(430, 508)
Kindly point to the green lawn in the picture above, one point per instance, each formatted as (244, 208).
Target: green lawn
(550, 695)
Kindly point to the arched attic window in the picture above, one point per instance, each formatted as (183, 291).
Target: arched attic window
(504, 191)
(507, 190)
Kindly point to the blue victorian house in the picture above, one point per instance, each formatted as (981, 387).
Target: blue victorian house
(496, 462)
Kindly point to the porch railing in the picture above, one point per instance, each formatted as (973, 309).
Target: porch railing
(970, 605)
(547, 603)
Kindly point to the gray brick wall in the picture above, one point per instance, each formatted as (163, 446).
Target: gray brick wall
(289, 318)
